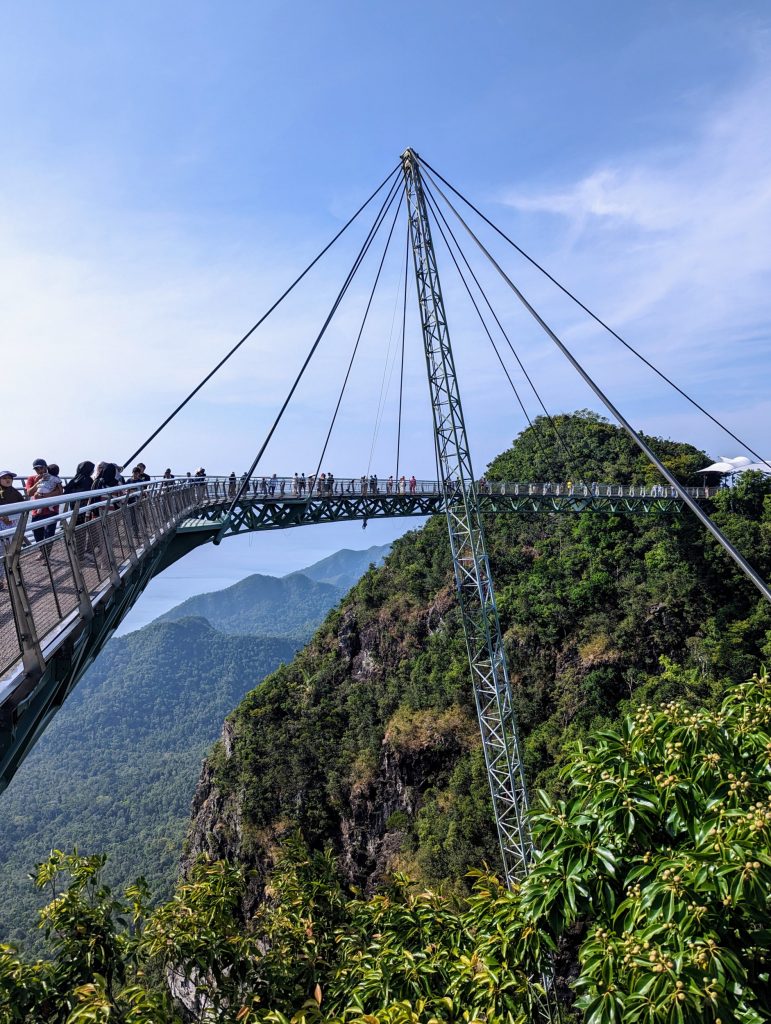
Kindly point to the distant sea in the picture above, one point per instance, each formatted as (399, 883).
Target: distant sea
(273, 553)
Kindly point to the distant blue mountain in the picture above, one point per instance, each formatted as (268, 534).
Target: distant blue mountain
(345, 567)
(263, 605)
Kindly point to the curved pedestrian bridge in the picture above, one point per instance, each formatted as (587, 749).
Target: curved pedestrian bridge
(64, 595)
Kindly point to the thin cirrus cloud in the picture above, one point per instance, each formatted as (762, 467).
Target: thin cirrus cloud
(675, 242)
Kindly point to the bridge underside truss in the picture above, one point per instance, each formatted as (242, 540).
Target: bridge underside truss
(253, 514)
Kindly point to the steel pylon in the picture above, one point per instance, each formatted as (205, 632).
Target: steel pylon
(473, 579)
(489, 669)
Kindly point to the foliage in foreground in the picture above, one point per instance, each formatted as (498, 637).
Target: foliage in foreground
(659, 862)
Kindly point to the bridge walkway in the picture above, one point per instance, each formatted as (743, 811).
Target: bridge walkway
(65, 594)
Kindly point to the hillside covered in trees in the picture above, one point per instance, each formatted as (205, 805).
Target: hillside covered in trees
(368, 739)
(648, 902)
(116, 770)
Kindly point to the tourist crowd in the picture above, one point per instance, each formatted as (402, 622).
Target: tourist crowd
(44, 482)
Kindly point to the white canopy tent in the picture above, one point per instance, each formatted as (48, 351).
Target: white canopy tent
(738, 464)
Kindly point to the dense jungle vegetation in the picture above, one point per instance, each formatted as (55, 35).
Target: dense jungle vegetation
(115, 771)
(653, 880)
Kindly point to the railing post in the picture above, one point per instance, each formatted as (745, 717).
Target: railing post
(132, 530)
(107, 545)
(31, 655)
(69, 537)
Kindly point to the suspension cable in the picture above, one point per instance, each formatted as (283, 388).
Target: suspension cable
(592, 314)
(262, 319)
(536, 430)
(706, 521)
(386, 205)
(356, 346)
(404, 329)
(385, 384)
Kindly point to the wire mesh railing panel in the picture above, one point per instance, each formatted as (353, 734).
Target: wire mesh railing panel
(124, 547)
(112, 537)
(9, 637)
(47, 579)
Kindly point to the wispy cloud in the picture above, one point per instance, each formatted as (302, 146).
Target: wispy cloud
(673, 245)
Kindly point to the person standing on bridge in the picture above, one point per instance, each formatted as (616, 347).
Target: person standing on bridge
(272, 486)
(41, 484)
(8, 496)
(82, 481)
(413, 484)
(107, 476)
(232, 485)
(302, 484)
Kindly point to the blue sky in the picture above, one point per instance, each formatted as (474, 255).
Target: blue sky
(168, 168)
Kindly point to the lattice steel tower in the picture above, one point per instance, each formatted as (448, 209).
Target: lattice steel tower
(489, 670)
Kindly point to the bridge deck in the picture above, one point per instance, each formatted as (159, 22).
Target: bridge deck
(65, 594)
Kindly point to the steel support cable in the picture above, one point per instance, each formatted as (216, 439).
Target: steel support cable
(386, 205)
(564, 444)
(597, 319)
(385, 385)
(358, 340)
(262, 319)
(536, 431)
(701, 515)
(404, 330)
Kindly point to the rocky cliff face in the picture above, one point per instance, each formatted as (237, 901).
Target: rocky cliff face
(383, 795)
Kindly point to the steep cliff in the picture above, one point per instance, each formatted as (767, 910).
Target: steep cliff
(368, 739)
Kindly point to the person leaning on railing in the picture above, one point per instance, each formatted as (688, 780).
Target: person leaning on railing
(82, 481)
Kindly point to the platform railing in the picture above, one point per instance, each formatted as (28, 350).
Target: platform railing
(284, 488)
(57, 553)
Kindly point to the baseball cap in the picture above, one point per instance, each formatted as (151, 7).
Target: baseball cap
(39, 462)
(7, 472)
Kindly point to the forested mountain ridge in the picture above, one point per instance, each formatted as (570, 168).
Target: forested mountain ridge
(368, 739)
(345, 567)
(300, 599)
(115, 771)
(290, 605)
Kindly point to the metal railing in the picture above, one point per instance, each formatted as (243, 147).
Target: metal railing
(284, 488)
(58, 553)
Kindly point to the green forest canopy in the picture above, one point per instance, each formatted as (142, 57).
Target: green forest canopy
(651, 888)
